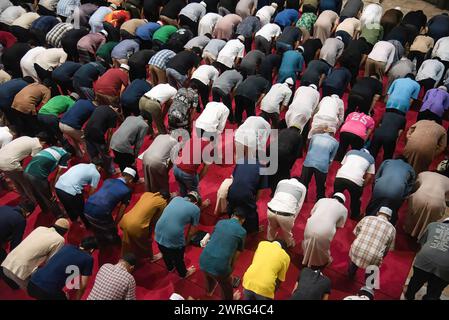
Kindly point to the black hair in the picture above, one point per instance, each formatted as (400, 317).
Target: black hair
(401, 157)
(47, 82)
(364, 292)
(62, 231)
(208, 35)
(239, 213)
(410, 75)
(97, 161)
(28, 79)
(43, 136)
(282, 243)
(130, 258)
(197, 51)
(338, 199)
(27, 206)
(89, 243)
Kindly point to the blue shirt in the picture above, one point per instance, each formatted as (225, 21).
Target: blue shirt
(334, 5)
(179, 213)
(286, 17)
(78, 176)
(65, 71)
(78, 114)
(228, 238)
(400, 93)
(104, 201)
(247, 181)
(292, 61)
(52, 277)
(145, 32)
(134, 91)
(339, 79)
(125, 49)
(394, 180)
(322, 150)
(12, 226)
(8, 91)
(44, 23)
(87, 74)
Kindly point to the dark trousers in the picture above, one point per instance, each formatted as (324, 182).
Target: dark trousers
(43, 195)
(73, 205)
(26, 124)
(283, 172)
(39, 294)
(427, 84)
(356, 102)
(328, 91)
(419, 56)
(272, 118)
(225, 283)
(192, 25)
(248, 43)
(262, 44)
(203, 90)
(50, 124)
(355, 192)
(136, 71)
(388, 144)
(376, 202)
(174, 258)
(22, 34)
(348, 139)
(429, 115)
(100, 150)
(218, 95)
(125, 160)
(320, 180)
(435, 285)
(244, 104)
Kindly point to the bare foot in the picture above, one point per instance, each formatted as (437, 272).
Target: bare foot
(237, 295)
(211, 293)
(174, 194)
(205, 204)
(191, 270)
(156, 257)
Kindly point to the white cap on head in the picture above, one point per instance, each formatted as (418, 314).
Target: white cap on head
(387, 211)
(104, 32)
(339, 38)
(442, 88)
(203, 3)
(289, 81)
(124, 66)
(340, 195)
(176, 296)
(313, 86)
(365, 150)
(75, 95)
(130, 171)
(241, 38)
(398, 8)
(274, 5)
(113, 6)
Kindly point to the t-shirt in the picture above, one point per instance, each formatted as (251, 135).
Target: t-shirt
(268, 64)
(352, 55)
(179, 213)
(311, 46)
(146, 31)
(314, 71)
(57, 105)
(252, 87)
(312, 285)
(111, 82)
(367, 88)
(8, 91)
(132, 94)
(12, 226)
(172, 8)
(184, 61)
(290, 35)
(78, 176)
(400, 93)
(247, 180)
(102, 119)
(338, 79)
(322, 150)
(64, 73)
(270, 262)
(358, 123)
(43, 163)
(354, 166)
(52, 277)
(228, 80)
(78, 114)
(227, 238)
(87, 74)
(163, 33)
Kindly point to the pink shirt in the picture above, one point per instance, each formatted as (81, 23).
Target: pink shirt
(358, 123)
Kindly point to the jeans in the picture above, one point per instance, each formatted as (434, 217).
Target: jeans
(187, 182)
(174, 78)
(250, 295)
(355, 191)
(435, 285)
(348, 139)
(174, 258)
(320, 180)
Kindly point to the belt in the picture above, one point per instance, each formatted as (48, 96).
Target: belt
(280, 213)
(153, 99)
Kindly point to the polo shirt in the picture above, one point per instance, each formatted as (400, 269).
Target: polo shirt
(12, 225)
(136, 89)
(78, 176)
(322, 150)
(290, 35)
(169, 230)
(87, 74)
(312, 285)
(111, 82)
(43, 163)
(64, 73)
(367, 88)
(354, 166)
(400, 93)
(184, 61)
(286, 17)
(78, 114)
(52, 277)
(102, 119)
(103, 202)
(228, 238)
(146, 31)
(8, 91)
(252, 87)
(57, 105)
(270, 263)
(315, 70)
(163, 33)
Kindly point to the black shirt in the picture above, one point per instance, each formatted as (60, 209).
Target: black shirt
(311, 46)
(71, 38)
(289, 146)
(415, 18)
(228, 4)
(11, 58)
(339, 79)
(367, 88)
(172, 8)
(290, 35)
(352, 55)
(390, 125)
(312, 285)
(315, 70)
(252, 59)
(102, 119)
(87, 74)
(268, 64)
(292, 4)
(252, 87)
(184, 61)
(178, 40)
(401, 33)
(12, 226)
(140, 58)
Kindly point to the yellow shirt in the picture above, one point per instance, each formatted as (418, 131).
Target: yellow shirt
(270, 262)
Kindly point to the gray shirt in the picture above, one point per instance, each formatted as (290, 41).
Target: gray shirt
(161, 150)
(130, 133)
(400, 69)
(214, 46)
(197, 42)
(248, 26)
(228, 80)
(434, 254)
(125, 49)
(352, 7)
(194, 11)
(252, 59)
(332, 50)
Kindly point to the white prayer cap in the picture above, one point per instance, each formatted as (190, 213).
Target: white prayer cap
(387, 211)
(130, 171)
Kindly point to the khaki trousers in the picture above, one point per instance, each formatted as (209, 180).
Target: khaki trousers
(374, 67)
(151, 110)
(276, 221)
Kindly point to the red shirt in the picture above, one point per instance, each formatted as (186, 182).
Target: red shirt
(110, 83)
(7, 39)
(190, 161)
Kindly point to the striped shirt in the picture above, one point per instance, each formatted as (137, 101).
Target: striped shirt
(113, 282)
(43, 163)
(54, 36)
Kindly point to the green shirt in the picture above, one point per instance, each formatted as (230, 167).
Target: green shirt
(163, 33)
(307, 21)
(105, 50)
(46, 161)
(57, 105)
(372, 33)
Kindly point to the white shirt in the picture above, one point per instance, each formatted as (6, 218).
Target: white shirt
(331, 107)
(233, 49)
(288, 197)
(279, 94)
(430, 68)
(213, 118)
(383, 51)
(10, 14)
(96, 19)
(354, 167)
(162, 92)
(269, 31)
(51, 58)
(254, 133)
(5, 4)
(441, 49)
(5, 136)
(205, 73)
(304, 105)
(371, 14)
(28, 60)
(265, 13)
(49, 4)
(350, 25)
(17, 150)
(207, 23)
(25, 20)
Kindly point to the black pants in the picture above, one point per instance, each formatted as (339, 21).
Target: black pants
(100, 150)
(271, 117)
(125, 160)
(356, 102)
(429, 115)
(419, 56)
(388, 144)
(348, 139)
(218, 95)
(43, 195)
(174, 258)
(22, 34)
(203, 90)
(435, 285)
(73, 205)
(427, 84)
(244, 104)
(50, 124)
(248, 43)
(137, 71)
(192, 25)
(283, 172)
(355, 192)
(26, 124)
(45, 12)
(263, 44)
(320, 180)
(39, 294)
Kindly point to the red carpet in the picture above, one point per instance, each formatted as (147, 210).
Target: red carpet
(154, 282)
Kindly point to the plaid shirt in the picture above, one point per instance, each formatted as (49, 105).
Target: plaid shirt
(113, 282)
(65, 8)
(161, 58)
(374, 237)
(55, 35)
